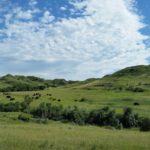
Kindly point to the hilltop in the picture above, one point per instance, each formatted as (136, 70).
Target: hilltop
(130, 78)
(28, 83)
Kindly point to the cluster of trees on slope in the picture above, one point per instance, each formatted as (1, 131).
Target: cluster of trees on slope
(100, 117)
(12, 83)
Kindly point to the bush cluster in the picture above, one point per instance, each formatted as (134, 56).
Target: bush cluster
(22, 87)
(100, 117)
(145, 124)
(24, 117)
(17, 106)
(10, 107)
(135, 89)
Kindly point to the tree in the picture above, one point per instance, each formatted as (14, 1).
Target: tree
(129, 119)
(145, 124)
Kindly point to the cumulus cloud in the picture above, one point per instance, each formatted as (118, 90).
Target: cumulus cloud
(105, 37)
(47, 17)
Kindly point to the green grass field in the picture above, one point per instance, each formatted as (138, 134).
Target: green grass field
(15, 135)
(95, 98)
(97, 93)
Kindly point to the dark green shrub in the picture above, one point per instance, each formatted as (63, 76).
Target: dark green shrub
(75, 115)
(135, 89)
(10, 107)
(46, 110)
(145, 124)
(129, 119)
(55, 112)
(103, 117)
(24, 117)
(26, 103)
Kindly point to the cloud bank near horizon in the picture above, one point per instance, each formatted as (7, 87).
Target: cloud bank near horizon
(77, 39)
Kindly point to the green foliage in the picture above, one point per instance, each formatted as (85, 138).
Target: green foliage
(24, 117)
(26, 103)
(10, 83)
(46, 110)
(129, 119)
(135, 89)
(145, 124)
(75, 115)
(103, 117)
(10, 107)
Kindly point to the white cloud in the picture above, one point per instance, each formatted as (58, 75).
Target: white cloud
(32, 3)
(107, 38)
(63, 8)
(47, 17)
(24, 14)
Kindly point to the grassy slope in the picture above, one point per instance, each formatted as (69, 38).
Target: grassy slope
(131, 76)
(29, 83)
(58, 136)
(15, 135)
(96, 98)
(100, 92)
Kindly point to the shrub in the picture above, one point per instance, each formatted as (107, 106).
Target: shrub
(145, 124)
(103, 117)
(75, 115)
(46, 110)
(10, 107)
(135, 89)
(26, 103)
(24, 117)
(56, 113)
(41, 111)
(129, 119)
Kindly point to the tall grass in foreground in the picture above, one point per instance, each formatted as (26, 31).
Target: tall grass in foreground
(58, 136)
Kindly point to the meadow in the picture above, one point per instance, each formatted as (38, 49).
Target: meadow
(128, 88)
(15, 135)
(93, 99)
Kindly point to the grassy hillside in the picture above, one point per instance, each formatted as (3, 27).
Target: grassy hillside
(119, 90)
(129, 87)
(131, 77)
(10, 83)
(126, 79)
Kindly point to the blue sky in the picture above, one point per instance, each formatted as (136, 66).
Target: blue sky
(143, 8)
(73, 39)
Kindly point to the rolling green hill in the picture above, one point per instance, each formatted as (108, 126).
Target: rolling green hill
(127, 88)
(10, 83)
(136, 79)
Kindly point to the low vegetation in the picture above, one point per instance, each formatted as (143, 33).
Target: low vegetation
(38, 114)
(60, 136)
(99, 117)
